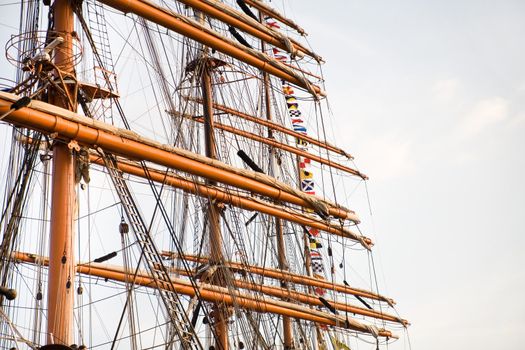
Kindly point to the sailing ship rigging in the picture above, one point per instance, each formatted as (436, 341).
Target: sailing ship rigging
(169, 184)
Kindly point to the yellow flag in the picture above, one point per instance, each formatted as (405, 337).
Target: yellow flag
(305, 174)
(338, 345)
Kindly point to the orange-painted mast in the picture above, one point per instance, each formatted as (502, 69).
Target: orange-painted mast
(220, 313)
(60, 298)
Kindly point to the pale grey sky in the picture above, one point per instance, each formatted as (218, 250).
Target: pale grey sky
(429, 97)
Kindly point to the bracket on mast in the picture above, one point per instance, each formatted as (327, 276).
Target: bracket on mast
(45, 54)
(210, 62)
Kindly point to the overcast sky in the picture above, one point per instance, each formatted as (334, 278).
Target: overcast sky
(430, 98)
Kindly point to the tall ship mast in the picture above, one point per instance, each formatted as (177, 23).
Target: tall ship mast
(169, 183)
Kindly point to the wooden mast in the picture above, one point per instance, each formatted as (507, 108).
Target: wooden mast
(279, 235)
(219, 313)
(63, 198)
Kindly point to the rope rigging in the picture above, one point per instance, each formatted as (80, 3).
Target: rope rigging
(165, 103)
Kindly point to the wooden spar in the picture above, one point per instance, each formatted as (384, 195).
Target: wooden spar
(183, 25)
(259, 5)
(285, 147)
(310, 74)
(269, 290)
(275, 126)
(288, 276)
(61, 279)
(305, 298)
(92, 133)
(219, 313)
(314, 301)
(228, 15)
(236, 200)
(217, 294)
